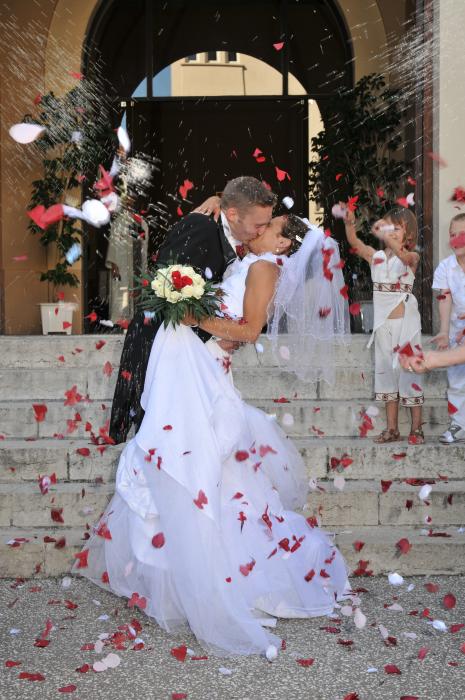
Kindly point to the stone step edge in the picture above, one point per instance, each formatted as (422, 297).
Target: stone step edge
(367, 533)
(305, 441)
(379, 546)
(298, 403)
(352, 486)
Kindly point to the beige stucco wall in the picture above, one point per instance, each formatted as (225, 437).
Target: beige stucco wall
(41, 42)
(22, 70)
(448, 117)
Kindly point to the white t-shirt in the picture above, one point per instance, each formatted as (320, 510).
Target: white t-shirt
(449, 275)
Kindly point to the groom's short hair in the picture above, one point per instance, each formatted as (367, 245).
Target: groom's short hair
(246, 191)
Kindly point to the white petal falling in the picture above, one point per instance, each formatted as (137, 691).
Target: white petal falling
(26, 133)
(95, 213)
(123, 138)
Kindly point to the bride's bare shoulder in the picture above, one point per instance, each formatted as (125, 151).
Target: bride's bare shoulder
(262, 270)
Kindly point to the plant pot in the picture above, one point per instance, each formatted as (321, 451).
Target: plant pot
(55, 315)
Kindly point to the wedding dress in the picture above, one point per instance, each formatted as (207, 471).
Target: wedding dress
(201, 530)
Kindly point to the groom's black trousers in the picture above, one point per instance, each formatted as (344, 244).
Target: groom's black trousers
(126, 406)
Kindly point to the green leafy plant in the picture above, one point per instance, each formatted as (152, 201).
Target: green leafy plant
(359, 154)
(77, 138)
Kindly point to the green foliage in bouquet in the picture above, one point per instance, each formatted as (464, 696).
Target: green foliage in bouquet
(360, 153)
(77, 139)
(173, 291)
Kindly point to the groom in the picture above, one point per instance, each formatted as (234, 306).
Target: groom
(197, 240)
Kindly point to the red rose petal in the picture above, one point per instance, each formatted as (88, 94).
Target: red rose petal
(179, 653)
(107, 369)
(67, 688)
(385, 485)
(201, 500)
(403, 545)
(24, 675)
(40, 411)
(391, 668)
(449, 601)
(82, 558)
(158, 540)
(456, 628)
(57, 515)
(305, 662)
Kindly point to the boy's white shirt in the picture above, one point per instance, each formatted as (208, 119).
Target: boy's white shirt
(450, 275)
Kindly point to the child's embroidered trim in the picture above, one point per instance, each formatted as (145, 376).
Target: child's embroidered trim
(412, 400)
(387, 397)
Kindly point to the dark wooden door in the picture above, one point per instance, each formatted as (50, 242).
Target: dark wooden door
(209, 141)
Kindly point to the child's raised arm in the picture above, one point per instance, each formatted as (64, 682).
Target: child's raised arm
(358, 247)
(409, 258)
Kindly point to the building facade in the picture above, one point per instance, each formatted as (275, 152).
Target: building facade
(44, 42)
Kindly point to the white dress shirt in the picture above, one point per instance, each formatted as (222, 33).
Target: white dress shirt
(450, 275)
(233, 242)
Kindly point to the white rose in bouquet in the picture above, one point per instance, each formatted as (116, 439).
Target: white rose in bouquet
(172, 296)
(176, 290)
(187, 291)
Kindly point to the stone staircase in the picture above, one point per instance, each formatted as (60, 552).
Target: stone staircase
(324, 421)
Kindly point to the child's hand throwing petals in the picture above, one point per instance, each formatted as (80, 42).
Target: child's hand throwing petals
(441, 341)
(342, 211)
(381, 229)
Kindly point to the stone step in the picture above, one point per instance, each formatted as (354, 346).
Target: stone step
(330, 418)
(80, 351)
(363, 503)
(23, 460)
(360, 503)
(343, 418)
(42, 384)
(428, 555)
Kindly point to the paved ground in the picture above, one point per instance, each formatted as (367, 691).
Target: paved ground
(339, 671)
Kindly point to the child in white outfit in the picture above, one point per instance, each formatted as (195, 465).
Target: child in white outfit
(449, 279)
(397, 324)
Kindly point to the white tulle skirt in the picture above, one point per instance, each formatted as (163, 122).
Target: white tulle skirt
(200, 531)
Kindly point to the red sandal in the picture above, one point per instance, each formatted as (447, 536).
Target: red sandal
(390, 435)
(416, 437)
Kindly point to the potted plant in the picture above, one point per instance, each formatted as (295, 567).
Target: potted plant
(77, 137)
(358, 154)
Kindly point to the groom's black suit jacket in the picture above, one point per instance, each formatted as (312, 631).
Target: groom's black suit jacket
(196, 240)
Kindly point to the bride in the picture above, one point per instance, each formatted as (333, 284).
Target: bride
(201, 532)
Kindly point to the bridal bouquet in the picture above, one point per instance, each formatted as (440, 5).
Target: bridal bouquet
(173, 291)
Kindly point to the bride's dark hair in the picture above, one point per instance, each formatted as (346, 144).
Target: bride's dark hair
(294, 229)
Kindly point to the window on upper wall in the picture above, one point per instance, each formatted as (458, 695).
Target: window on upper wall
(212, 56)
(192, 57)
(231, 56)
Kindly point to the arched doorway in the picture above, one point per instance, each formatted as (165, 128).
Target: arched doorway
(233, 76)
